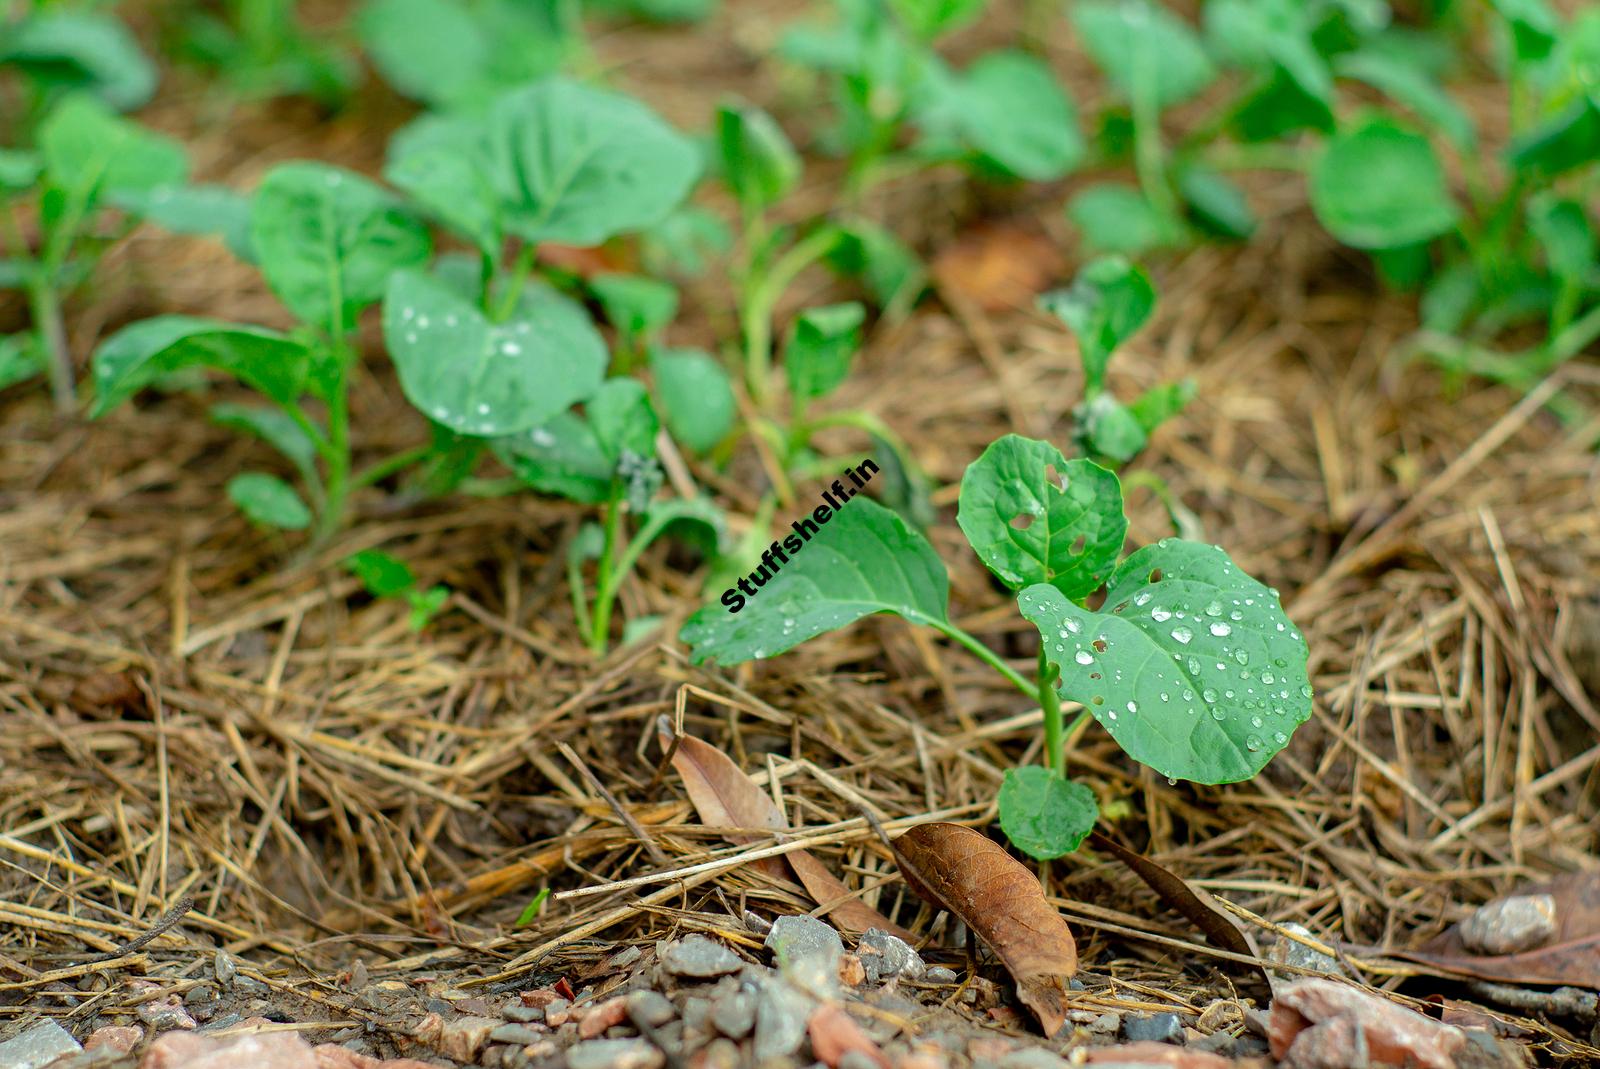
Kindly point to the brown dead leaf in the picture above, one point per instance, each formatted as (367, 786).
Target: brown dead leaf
(1201, 910)
(968, 874)
(588, 261)
(727, 798)
(998, 267)
(834, 1033)
(1569, 957)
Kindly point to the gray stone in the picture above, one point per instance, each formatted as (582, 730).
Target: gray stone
(1153, 1027)
(699, 957)
(1290, 952)
(887, 957)
(651, 1007)
(781, 1015)
(223, 967)
(735, 1014)
(615, 1054)
(1107, 1024)
(697, 1015)
(520, 1034)
(858, 1059)
(939, 974)
(1033, 1058)
(38, 1046)
(1510, 925)
(516, 1011)
(805, 939)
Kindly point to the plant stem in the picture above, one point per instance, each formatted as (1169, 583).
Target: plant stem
(386, 467)
(762, 299)
(44, 304)
(605, 594)
(1148, 155)
(520, 269)
(337, 455)
(985, 654)
(1055, 758)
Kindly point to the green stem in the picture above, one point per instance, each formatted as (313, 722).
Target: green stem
(337, 454)
(520, 269)
(1148, 155)
(1055, 758)
(985, 654)
(44, 305)
(381, 470)
(762, 300)
(607, 576)
(580, 609)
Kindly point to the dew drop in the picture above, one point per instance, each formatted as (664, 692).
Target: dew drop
(1182, 634)
(1208, 695)
(1306, 691)
(1133, 707)
(1252, 743)
(1160, 615)
(1221, 630)
(1241, 656)
(1083, 657)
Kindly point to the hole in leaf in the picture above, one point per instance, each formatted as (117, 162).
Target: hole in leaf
(1021, 521)
(1120, 606)
(1099, 645)
(1155, 575)
(1056, 478)
(1076, 549)
(1094, 675)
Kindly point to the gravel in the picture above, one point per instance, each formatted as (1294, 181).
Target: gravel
(699, 957)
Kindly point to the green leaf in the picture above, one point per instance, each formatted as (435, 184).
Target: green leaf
(1277, 107)
(1534, 26)
(820, 347)
(1033, 516)
(1268, 36)
(89, 151)
(149, 349)
(1209, 695)
(1160, 403)
(382, 574)
(861, 560)
(1108, 301)
(1450, 297)
(890, 271)
(21, 359)
(1118, 218)
(1413, 89)
(1563, 229)
(928, 19)
(1109, 429)
(269, 501)
(482, 378)
(576, 165)
(1044, 814)
(562, 457)
(696, 397)
(275, 427)
(1142, 47)
(684, 243)
(758, 162)
(425, 605)
(430, 50)
(1570, 138)
(636, 305)
(19, 169)
(329, 240)
(902, 484)
(1010, 109)
(1215, 203)
(82, 50)
(211, 211)
(623, 419)
(447, 181)
(1379, 186)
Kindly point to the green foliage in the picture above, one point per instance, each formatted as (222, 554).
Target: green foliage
(821, 346)
(759, 164)
(696, 397)
(1044, 814)
(1144, 50)
(269, 501)
(1378, 185)
(385, 576)
(61, 51)
(460, 53)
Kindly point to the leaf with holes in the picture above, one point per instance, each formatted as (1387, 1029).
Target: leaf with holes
(1034, 516)
(485, 378)
(857, 561)
(1190, 664)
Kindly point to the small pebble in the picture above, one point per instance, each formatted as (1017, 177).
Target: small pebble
(516, 1011)
(798, 939)
(651, 1007)
(1033, 1058)
(939, 974)
(735, 1014)
(615, 1054)
(1153, 1027)
(698, 957)
(36, 1047)
(1107, 1024)
(858, 1059)
(1510, 925)
(888, 957)
(519, 1034)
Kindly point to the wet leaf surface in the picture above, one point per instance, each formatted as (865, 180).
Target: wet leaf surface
(970, 875)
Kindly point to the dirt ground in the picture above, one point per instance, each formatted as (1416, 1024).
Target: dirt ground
(360, 815)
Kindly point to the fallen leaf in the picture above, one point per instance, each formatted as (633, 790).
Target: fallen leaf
(998, 267)
(834, 1034)
(1570, 957)
(968, 874)
(585, 262)
(1323, 1020)
(1201, 910)
(727, 798)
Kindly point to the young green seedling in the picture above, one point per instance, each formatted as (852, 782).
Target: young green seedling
(386, 576)
(1188, 663)
(261, 49)
(327, 241)
(56, 52)
(87, 158)
(1106, 304)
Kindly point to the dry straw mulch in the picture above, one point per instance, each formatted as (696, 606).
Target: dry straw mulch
(189, 710)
